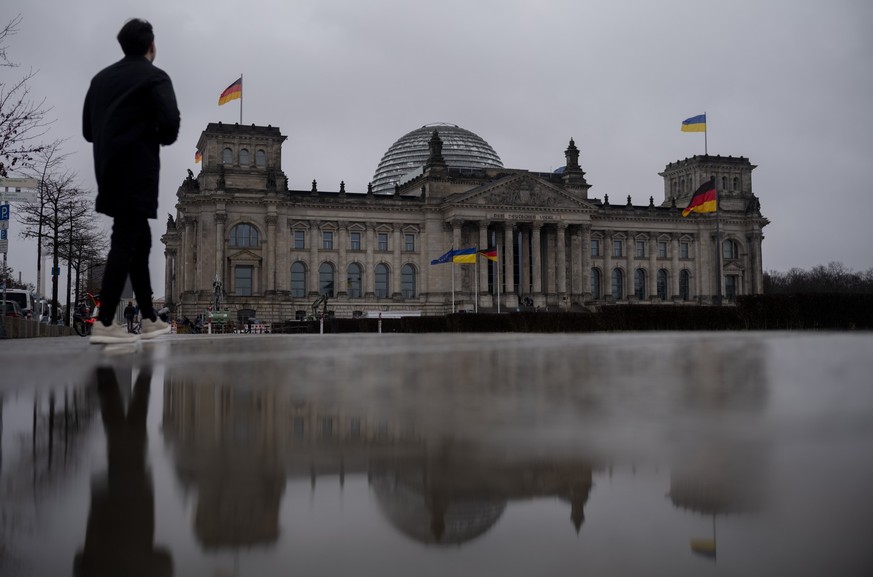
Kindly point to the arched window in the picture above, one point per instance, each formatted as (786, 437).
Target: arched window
(355, 277)
(227, 156)
(617, 284)
(684, 285)
(381, 281)
(325, 279)
(596, 284)
(640, 284)
(244, 235)
(730, 249)
(244, 157)
(736, 183)
(724, 183)
(261, 158)
(662, 284)
(407, 281)
(298, 279)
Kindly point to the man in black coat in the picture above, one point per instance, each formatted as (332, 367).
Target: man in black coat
(130, 111)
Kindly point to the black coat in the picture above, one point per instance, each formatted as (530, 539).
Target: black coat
(130, 110)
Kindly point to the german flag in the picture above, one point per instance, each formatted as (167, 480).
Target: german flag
(704, 200)
(197, 157)
(232, 92)
(490, 254)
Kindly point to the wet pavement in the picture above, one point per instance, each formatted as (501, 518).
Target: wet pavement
(599, 454)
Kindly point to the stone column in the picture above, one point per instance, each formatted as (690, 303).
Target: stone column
(270, 251)
(586, 262)
(509, 261)
(482, 263)
(370, 264)
(629, 265)
(395, 262)
(524, 259)
(536, 257)
(756, 266)
(607, 265)
(653, 266)
(188, 248)
(220, 222)
(342, 262)
(562, 262)
(314, 243)
(676, 269)
(169, 270)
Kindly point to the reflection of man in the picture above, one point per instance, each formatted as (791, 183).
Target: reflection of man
(119, 539)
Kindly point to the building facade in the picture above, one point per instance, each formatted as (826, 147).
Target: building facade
(240, 234)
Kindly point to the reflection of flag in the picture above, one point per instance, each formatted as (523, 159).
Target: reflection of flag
(232, 92)
(489, 253)
(704, 200)
(465, 255)
(445, 258)
(705, 547)
(197, 157)
(694, 124)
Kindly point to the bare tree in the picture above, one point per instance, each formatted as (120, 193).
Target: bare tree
(22, 119)
(84, 244)
(54, 217)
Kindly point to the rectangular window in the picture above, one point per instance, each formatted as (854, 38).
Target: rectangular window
(595, 247)
(616, 248)
(356, 241)
(662, 249)
(327, 239)
(641, 248)
(409, 242)
(243, 276)
(683, 250)
(383, 241)
(299, 239)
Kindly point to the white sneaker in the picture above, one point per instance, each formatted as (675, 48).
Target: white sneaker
(103, 335)
(151, 329)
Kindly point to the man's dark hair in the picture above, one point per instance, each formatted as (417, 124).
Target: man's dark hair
(135, 37)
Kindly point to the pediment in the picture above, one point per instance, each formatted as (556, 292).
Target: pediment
(733, 266)
(244, 254)
(520, 191)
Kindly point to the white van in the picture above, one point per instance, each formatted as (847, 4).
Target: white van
(23, 297)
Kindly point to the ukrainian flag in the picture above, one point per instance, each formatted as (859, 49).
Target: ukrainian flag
(465, 255)
(694, 124)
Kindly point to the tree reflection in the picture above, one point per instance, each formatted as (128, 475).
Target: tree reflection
(119, 538)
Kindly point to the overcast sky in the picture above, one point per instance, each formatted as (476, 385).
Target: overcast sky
(786, 83)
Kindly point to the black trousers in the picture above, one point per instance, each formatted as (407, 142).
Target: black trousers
(128, 255)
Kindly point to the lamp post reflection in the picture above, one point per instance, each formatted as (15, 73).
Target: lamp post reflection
(119, 538)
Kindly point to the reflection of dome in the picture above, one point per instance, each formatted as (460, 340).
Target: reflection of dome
(461, 149)
(432, 519)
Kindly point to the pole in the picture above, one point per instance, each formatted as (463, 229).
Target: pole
(240, 97)
(453, 284)
(705, 130)
(476, 296)
(717, 251)
(497, 275)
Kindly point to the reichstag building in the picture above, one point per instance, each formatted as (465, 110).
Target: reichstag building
(239, 231)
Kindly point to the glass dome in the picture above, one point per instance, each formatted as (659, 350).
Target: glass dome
(461, 149)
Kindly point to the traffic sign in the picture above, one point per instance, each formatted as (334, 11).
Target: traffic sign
(4, 212)
(4, 246)
(18, 189)
(3, 234)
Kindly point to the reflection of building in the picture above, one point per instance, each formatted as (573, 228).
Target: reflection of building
(235, 446)
(276, 250)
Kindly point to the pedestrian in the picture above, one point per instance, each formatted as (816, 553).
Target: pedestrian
(130, 111)
(129, 313)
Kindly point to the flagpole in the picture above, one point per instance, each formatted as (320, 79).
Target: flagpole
(240, 97)
(476, 296)
(453, 285)
(705, 130)
(497, 276)
(717, 249)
